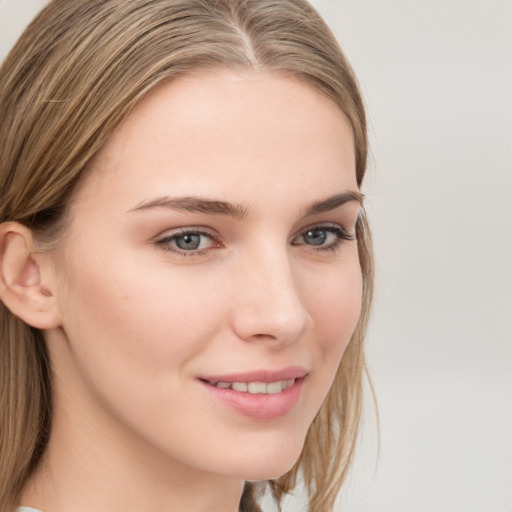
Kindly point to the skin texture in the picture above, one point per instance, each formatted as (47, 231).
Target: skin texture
(134, 428)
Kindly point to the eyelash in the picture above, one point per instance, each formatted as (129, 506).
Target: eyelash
(164, 243)
(340, 233)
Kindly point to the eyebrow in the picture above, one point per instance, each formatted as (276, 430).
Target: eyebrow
(195, 205)
(333, 202)
(223, 208)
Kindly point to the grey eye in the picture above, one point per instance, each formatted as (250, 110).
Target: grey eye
(315, 236)
(188, 242)
(323, 237)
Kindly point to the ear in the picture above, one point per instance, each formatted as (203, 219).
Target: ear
(25, 278)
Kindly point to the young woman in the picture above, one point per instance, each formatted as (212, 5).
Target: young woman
(185, 264)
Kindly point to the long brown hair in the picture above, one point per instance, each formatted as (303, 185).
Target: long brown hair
(72, 77)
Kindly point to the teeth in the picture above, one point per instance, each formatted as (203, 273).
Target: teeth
(275, 387)
(256, 388)
(239, 386)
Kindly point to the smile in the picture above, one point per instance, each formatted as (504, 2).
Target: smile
(256, 388)
(259, 395)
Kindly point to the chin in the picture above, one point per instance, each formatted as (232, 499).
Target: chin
(269, 464)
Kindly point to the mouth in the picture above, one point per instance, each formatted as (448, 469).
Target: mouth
(258, 395)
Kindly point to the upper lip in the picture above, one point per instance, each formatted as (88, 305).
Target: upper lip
(292, 372)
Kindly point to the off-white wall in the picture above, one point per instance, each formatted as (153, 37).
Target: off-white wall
(437, 78)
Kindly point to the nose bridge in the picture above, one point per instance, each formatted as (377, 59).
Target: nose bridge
(269, 303)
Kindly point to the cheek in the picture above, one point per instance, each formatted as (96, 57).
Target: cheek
(143, 321)
(335, 310)
(336, 306)
(132, 337)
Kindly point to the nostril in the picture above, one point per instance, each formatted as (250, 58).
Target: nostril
(264, 336)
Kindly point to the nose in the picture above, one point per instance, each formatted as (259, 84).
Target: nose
(267, 306)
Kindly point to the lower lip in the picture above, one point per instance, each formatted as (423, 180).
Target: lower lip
(259, 406)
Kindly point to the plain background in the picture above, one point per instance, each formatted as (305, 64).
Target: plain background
(437, 80)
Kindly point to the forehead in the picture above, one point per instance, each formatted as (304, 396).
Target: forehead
(227, 132)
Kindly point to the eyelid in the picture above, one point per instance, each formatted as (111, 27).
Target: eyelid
(326, 226)
(342, 235)
(169, 233)
(162, 240)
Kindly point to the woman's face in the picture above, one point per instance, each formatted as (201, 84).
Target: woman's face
(209, 279)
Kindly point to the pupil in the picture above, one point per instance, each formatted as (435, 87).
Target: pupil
(315, 237)
(188, 242)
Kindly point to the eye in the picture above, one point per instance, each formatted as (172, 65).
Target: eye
(188, 242)
(323, 238)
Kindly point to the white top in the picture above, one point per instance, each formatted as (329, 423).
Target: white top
(26, 509)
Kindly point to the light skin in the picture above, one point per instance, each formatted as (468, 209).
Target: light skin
(259, 171)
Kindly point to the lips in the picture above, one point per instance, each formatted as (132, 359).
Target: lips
(260, 395)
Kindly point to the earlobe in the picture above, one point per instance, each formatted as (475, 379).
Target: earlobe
(23, 287)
